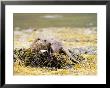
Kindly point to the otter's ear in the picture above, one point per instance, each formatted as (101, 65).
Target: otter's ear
(36, 39)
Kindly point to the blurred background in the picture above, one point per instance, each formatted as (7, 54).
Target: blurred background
(43, 20)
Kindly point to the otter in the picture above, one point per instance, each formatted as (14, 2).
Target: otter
(51, 46)
(41, 45)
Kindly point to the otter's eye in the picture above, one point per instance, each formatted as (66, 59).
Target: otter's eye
(44, 40)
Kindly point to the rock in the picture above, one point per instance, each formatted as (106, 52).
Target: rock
(28, 57)
(84, 50)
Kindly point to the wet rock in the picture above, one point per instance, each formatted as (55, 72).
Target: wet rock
(84, 50)
(28, 57)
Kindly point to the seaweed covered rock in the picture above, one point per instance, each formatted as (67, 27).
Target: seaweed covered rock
(43, 53)
(28, 57)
